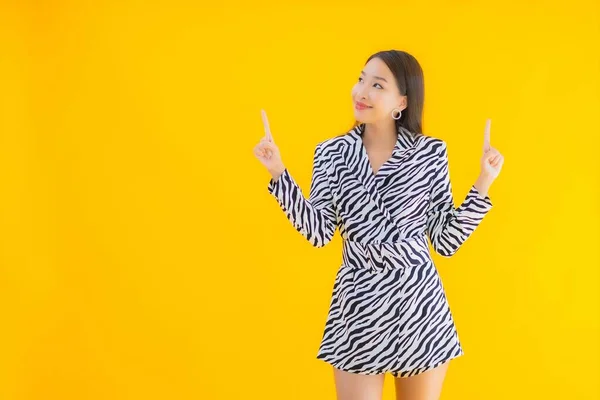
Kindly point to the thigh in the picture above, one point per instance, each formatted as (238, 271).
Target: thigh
(424, 386)
(352, 386)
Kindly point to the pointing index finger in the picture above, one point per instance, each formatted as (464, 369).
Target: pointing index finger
(486, 135)
(266, 125)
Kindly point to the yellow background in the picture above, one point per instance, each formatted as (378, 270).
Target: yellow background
(141, 256)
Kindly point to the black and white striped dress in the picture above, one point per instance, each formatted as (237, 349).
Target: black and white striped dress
(388, 310)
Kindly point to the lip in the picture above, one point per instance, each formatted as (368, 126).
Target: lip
(361, 106)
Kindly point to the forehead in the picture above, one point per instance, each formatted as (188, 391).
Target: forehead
(376, 66)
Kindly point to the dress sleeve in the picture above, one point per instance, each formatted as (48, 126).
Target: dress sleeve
(314, 218)
(449, 227)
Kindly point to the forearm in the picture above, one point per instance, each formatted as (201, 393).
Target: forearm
(314, 218)
(449, 227)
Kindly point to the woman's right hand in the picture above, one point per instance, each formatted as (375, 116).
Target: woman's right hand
(267, 151)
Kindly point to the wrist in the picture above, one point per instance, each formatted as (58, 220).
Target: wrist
(483, 183)
(277, 171)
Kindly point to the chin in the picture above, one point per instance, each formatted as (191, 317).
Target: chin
(358, 116)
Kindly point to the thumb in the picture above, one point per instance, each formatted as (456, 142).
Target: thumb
(270, 145)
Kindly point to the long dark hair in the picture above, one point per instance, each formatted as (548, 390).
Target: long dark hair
(409, 76)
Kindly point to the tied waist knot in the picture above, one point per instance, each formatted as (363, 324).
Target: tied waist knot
(377, 256)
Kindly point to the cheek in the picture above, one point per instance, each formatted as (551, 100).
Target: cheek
(382, 98)
(383, 101)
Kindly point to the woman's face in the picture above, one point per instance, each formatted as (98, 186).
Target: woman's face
(377, 88)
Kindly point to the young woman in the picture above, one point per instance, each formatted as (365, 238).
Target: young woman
(386, 186)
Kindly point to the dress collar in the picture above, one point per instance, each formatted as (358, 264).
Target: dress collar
(406, 139)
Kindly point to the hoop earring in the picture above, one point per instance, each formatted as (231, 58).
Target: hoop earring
(399, 114)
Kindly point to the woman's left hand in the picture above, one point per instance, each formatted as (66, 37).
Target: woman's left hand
(492, 160)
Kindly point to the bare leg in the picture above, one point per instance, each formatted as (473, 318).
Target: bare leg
(424, 386)
(351, 386)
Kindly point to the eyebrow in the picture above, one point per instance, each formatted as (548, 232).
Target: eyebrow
(376, 77)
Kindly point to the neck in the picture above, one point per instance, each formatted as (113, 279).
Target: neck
(382, 132)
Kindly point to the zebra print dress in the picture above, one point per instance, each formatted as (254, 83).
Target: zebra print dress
(388, 310)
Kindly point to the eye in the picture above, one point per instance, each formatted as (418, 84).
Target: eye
(360, 79)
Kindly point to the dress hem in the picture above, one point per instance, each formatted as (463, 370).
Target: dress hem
(403, 373)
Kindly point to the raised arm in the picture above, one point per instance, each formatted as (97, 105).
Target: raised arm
(449, 227)
(315, 218)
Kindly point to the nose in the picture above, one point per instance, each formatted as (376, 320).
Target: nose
(361, 94)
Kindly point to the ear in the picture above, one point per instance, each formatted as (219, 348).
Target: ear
(403, 103)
